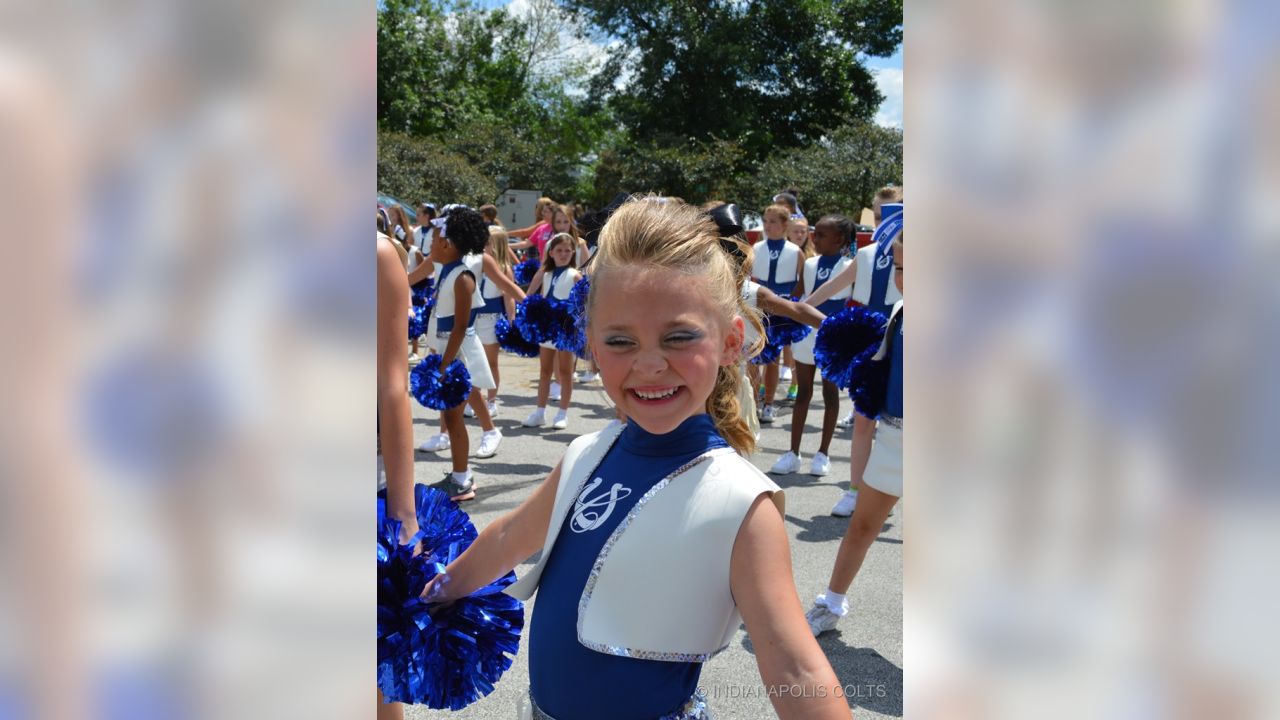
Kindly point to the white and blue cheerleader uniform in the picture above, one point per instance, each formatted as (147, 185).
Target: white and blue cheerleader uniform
(558, 285)
(493, 306)
(471, 352)
(817, 271)
(884, 466)
(633, 579)
(873, 280)
(776, 265)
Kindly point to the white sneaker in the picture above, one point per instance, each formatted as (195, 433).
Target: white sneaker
(537, 418)
(435, 443)
(821, 618)
(820, 466)
(767, 415)
(468, 412)
(561, 421)
(414, 358)
(493, 408)
(555, 391)
(787, 464)
(489, 443)
(587, 376)
(845, 505)
(784, 374)
(845, 421)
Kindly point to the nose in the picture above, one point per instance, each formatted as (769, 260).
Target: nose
(650, 362)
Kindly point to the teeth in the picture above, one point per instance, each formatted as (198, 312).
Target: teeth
(656, 395)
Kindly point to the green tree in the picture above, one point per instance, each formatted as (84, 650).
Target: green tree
(416, 169)
(838, 173)
(769, 74)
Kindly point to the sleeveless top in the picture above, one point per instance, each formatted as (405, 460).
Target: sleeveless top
(817, 271)
(558, 283)
(777, 265)
(445, 300)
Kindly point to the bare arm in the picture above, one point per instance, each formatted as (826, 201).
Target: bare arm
(769, 302)
(523, 232)
(535, 285)
(504, 282)
(505, 543)
(395, 418)
(840, 281)
(791, 662)
(423, 270)
(463, 287)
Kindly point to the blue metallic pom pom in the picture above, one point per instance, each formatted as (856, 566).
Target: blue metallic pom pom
(768, 354)
(510, 339)
(576, 342)
(439, 390)
(422, 291)
(538, 318)
(418, 316)
(525, 271)
(869, 383)
(783, 330)
(441, 656)
(842, 338)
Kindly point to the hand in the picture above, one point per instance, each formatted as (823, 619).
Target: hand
(435, 591)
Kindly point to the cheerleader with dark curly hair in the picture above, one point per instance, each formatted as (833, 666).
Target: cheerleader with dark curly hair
(457, 244)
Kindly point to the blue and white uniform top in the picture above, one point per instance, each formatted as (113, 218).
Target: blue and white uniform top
(558, 283)
(821, 268)
(633, 580)
(445, 298)
(891, 347)
(873, 282)
(777, 265)
(490, 293)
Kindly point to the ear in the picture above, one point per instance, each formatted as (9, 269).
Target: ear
(732, 350)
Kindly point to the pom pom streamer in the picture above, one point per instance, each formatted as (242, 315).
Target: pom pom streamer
(869, 383)
(418, 316)
(538, 319)
(842, 338)
(436, 389)
(510, 339)
(785, 331)
(573, 335)
(768, 354)
(441, 656)
(525, 271)
(422, 291)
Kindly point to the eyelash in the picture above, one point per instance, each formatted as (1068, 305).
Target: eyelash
(678, 338)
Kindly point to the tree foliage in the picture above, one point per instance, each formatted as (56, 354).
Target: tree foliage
(768, 74)
(421, 169)
(839, 173)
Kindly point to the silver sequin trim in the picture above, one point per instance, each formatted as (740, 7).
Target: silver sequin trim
(891, 421)
(599, 565)
(695, 708)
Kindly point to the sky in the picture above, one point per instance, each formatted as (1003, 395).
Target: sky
(887, 71)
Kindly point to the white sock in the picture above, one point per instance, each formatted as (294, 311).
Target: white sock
(463, 476)
(834, 602)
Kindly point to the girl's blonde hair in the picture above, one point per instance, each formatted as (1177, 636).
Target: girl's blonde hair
(778, 210)
(542, 204)
(642, 235)
(498, 244)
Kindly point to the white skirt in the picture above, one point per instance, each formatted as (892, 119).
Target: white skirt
(471, 352)
(802, 351)
(487, 328)
(884, 467)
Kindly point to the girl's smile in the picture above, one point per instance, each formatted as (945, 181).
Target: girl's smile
(659, 365)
